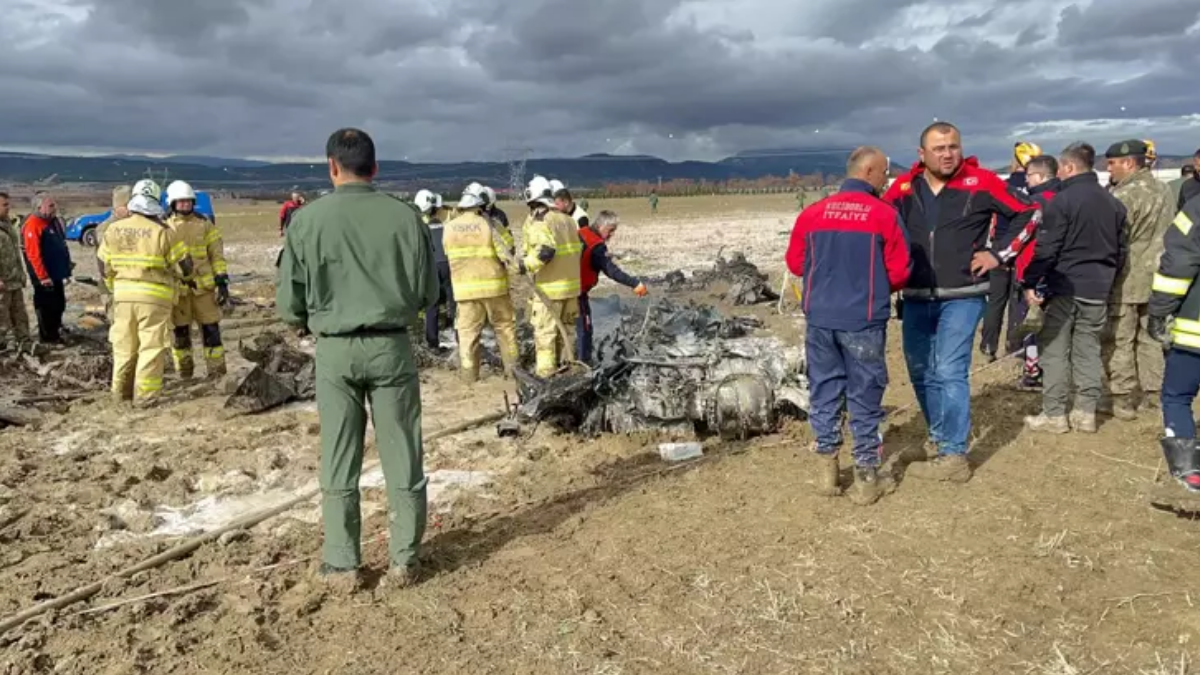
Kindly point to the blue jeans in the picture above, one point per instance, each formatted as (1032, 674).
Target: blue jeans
(938, 336)
(1180, 384)
(849, 366)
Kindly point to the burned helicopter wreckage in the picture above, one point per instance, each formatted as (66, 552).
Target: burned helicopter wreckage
(673, 368)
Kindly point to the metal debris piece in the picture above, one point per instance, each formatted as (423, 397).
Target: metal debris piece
(744, 283)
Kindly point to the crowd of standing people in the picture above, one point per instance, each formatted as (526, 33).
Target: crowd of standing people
(1099, 269)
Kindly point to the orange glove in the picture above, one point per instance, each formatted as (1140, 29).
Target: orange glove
(641, 291)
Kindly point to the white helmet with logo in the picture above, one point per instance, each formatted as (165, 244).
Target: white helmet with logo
(147, 188)
(477, 193)
(539, 191)
(179, 190)
(427, 201)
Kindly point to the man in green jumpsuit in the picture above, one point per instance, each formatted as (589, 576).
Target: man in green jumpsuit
(357, 267)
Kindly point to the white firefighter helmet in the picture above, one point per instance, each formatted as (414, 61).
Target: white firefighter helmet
(147, 188)
(479, 191)
(557, 186)
(427, 201)
(471, 199)
(490, 194)
(539, 191)
(179, 190)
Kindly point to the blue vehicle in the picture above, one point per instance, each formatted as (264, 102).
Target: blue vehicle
(83, 228)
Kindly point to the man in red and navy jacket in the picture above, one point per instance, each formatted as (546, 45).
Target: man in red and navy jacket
(1042, 184)
(851, 254)
(594, 261)
(947, 203)
(48, 261)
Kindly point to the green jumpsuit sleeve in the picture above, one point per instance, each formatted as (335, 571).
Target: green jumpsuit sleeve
(291, 291)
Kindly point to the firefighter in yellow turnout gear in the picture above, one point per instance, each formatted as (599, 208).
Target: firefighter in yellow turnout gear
(551, 254)
(480, 281)
(202, 303)
(143, 266)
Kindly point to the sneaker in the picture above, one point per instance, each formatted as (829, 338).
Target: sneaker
(869, 486)
(989, 355)
(1083, 422)
(946, 469)
(1047, 424)
(827, 476)
(341, 580)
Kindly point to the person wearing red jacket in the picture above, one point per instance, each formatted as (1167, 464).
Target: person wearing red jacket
(850, 252)
(594, 261)
(1041, 184)
(948, 203)
(286, 212)
(48, 262)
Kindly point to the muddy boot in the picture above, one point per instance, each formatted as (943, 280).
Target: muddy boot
(1150, 402)
(1082, 422)
(1183, 461)
(339, 581)
(402, 577)
(1046, 424)
(946, 469)
(1123, 408)
(469, 375)
(827, 476)
(919, 453)
(869, 485)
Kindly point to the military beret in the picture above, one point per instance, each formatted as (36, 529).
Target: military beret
(1130, 148)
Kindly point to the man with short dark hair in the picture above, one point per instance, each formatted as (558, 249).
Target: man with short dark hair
(1190, 187)
(847, 309)
(357, 268)
(1080, 249)
(1133, 362)
(947, 204)
(48, 262)
(565, 203)
(1186, 173)
(14, 320)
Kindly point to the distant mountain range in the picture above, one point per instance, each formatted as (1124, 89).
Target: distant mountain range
(590, 171)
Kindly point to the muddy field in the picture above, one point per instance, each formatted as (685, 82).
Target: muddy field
(549, 554)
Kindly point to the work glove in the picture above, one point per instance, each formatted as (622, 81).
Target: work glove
(222, 282)
(1156, 327)
(641, 291)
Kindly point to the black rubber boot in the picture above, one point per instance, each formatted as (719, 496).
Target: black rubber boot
(1183, 461)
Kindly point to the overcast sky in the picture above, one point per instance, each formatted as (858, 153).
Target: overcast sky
(438, 80)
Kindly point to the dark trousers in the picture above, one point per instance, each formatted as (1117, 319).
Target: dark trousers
(49, 303)
(1002, 296)
(1180, 384)
(445, 297)
(1070, 351)
(847, 371)
(583, 331)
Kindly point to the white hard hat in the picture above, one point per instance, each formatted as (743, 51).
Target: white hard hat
(147, 188)
(540, 191)
(427, 201)
(471, 200)
(477, 190)
(557, 186)
(179, 190)
(490, 193)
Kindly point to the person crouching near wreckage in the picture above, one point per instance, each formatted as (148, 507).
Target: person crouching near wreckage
(143, 263)
(552, 251)
(477, 247)
(202, 303)
(847, 311)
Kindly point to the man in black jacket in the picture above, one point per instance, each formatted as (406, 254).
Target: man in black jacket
(1080, 248)
(947, 203)
(1190, 187)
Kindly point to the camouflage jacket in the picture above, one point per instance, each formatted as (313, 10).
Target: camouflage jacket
(12, 267)
(1151, 209)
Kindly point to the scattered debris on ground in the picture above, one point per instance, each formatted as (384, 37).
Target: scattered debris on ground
(274, 373)
(745, 284)
(675, 368)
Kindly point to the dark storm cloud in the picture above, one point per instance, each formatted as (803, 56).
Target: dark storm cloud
(466, 79)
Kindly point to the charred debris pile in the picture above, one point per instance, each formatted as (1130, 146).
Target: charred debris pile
(673, 368)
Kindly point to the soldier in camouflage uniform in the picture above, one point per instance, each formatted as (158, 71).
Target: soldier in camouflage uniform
(1132, 359)
(14, 319)
(120, 203)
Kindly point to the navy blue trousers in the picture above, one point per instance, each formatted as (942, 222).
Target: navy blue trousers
(847, 371)
(1180, 384)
